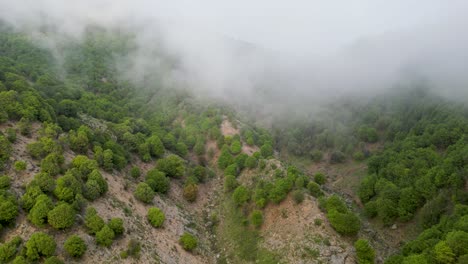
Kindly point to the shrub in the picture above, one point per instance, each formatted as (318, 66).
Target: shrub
(190, 192)
(365, 253)
(188, 241)
(250, 162)
(135, 172)
(20, 165)
(38, 213)
(105, 236)
(225, 159)
(144, 192)
(236, 147)
(38, 245)
(257, 218)
(20, 260)
(266, 150)
(319, 178)
(156, 217)
(62, 216)
(93, 221)
(172, 166)
(116, 224)
(158, 181)
(53, 260)
(133, 249)
(45, 182)
(240, 195)
(231, 170)
(344, 223)
(67, 188)
(52, 163)
(5, 182)
(298, 196)
(337, 157)
(8, 208)
(317, 221)
(75, 246)
(9, 249)
(230, 183)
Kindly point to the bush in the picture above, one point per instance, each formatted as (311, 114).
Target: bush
(188, 241)
(250, 162)
(190, 192)
(105, 236)
(133, 249)
(236, 147)
(53, 260)
(135, 172)
(266, 150)
(8, 208)
(5, 182)
(158, 181)
(9, 249)
(20, 165)
(172, 166)
(225, 159)
(319, 178)
(93, 221)
(144, 192)
(344, 223)
(116, 224)
(231, 170)
(240, 195)
(365, 253)
(156, 217)
(75, 246)
(62, 216)
(317, 221)
(40, 245)
(337, 157)
(298, 196)
(38, 213)
(257, 218)
(230, 183)
(45, 182)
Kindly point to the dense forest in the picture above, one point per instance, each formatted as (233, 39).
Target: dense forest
(83, 124)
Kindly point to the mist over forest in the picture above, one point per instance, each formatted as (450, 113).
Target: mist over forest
(233, 132)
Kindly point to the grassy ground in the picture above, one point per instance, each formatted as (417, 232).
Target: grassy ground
(239, 240)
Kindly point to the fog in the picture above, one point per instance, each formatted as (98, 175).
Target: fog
(275, 55)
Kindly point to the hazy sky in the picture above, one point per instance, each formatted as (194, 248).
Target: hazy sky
(321, 47)
(299, 26)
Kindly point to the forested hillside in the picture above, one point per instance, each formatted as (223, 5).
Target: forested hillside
(95, 167)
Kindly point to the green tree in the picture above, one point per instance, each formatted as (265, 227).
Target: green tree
(5, 182)
(458, 242)
(240, 195)
(144, 192)
(172, 166)
(75, 246)
(236, 147)
(20, 165)
(156, 217)
(225, 158)
(93, 221)
(67, 187)
(158, 181)
(105, 236)
(250, 162)
(190, 192)
(188, 241)
(443, 253)
(257, 218)
(135, 172)
(52, 163)
(266, 150)
(230, 183)
(9, 249)
(344, 223)
(365, 253)
(40, 245)
(62, 216)
(53, 260)
(38, 213)
(116, 224)
(319, 178)
(8, 208)
(108, 160)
